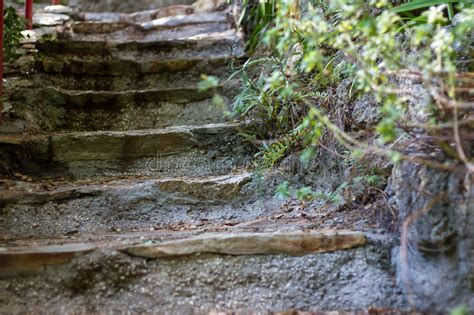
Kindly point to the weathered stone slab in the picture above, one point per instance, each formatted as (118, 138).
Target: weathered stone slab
(120, 145)
(136, 17)
(39, 197)
(144, 16)
(102, 16)
(20, 261)
(288, 243)
(49, 19)
(126, 6)
(222, 188)
(103, 98)
(182, 20)
(93, 27)
(190, 43)
(58, 9)
(210, 188)
(182, 150)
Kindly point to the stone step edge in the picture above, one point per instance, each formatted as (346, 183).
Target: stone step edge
(105, 67)
(178, 95)
(18, 139)
(33, 195)
(168, 22)
(141, 16)
(287, 243)
(19, 261)
(72, 45)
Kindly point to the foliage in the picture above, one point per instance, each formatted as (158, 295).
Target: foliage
(13, 26)
(363, 42)
(256, 17)
(269, 101)
(303, 194)
(460, 310)
(423, 4)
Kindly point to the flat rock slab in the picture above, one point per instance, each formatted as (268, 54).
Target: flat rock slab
(50, 19)
(288, 243)
(58, 9)
(182, 20)
(20, 261)
(40, 197)
(210, 188)
(110, 145)
(70, 98)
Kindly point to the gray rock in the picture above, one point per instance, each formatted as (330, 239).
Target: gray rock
(182, 20)
(58, 9)
(439, 254)
(366, 111)
(49, 19)
(290, 243)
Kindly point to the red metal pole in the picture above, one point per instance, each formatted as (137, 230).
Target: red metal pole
(1, 61)
(55, 2)
(29, 14)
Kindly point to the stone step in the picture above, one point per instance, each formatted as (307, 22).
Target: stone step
(20, 260)
(128, 7)
(197, 61)
(77, 114)
(160, 29)
(135, 17)
(54, 209)
(89, 110)
(184, 150)
(28, 260)
(146, 46)
(349, 278)
(189, 20)
(188, 79)
(182, 24)
(99, 99)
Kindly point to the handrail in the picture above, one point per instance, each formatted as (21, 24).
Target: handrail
(29, 14)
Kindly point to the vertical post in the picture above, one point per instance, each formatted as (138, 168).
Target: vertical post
(29, 14)
(56, 2)
(1, 61)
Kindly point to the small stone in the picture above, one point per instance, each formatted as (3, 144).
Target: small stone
(29, 37)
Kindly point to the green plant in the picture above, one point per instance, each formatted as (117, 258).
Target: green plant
(408, 8)
(304, 194)
(384, 60)
(460, 310)
(13, 26)
(255, 17)
(312, 54)
(269, 101)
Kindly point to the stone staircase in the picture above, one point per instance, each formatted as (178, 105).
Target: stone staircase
(125, 189)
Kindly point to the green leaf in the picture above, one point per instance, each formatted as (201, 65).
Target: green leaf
(420, 4)
(207, 83)
(283, 191)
